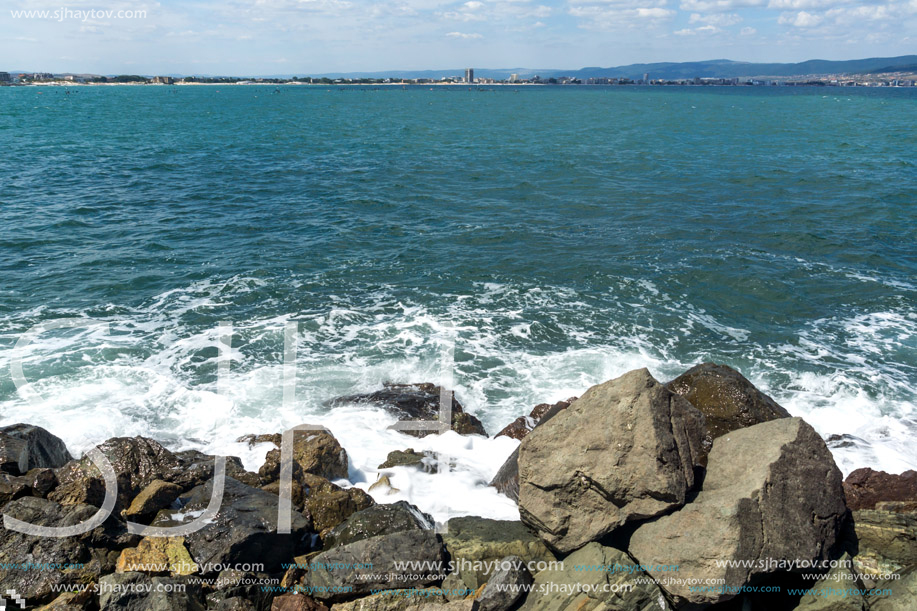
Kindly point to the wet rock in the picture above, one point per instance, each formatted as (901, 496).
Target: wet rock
(625, 451)
(315, 452)
(416, 402)
(866, 487)
(421, 599)
(341, 581)
(37, 586)
(329, 504)
(156, 496)
(244, 528)
(504, 586)
(570, 590)
(378, 520)
(252, 440)
(836, 591)
(506, 481)
(196, 468)
(234, 603)
(297, 495)
(140, 592)
(157, 556)
(409, 458)
(903, 593)
(474, 544)
(296, 602)
(523, 425)
(13, 487)
(24, 447)
(69, 601)
(87, 490)
(772, 493)
(726, 398)
(886, 538)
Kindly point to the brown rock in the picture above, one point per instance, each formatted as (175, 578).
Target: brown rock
(866, 487)
(159, 556)
(523, 425)
(329, 505)
(296, 602)
(316, 452)
(726, 398)
(157, 495)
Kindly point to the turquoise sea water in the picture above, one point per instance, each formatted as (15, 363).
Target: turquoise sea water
(567, 234)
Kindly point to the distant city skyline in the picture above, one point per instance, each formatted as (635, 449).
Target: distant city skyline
(325, 36)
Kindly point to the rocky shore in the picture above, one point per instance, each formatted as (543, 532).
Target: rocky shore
(699, 493)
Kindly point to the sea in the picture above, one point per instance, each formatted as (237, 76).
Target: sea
(518, 243)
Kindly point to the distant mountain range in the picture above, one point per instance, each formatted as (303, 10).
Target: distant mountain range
(715, 68)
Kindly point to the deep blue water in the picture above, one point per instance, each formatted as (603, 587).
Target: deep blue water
(570, 234)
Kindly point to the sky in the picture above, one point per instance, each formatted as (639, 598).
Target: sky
(264, 37)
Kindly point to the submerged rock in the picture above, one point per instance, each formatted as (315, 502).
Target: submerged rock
(625, 451)
(865, 487)
(416, 402)
(24, 447)
(409, 458)
(726, 398)
(772, 494)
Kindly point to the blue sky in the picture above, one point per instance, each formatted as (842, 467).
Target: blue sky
(314, 36)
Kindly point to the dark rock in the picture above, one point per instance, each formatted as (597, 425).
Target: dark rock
(197, 468)
(341, 581)
(505, 586)
(296, 602)
(298, 496)
(156, 496)
(234, 603)
(13, 487)
(244, 528)
(24, 447)
(478, 542)
(87, 490)
(316, 452)
(41, 481)
(866, 487)
(772, 494)
(378, 520)
(506, 480)
(570, 589)
(523, 425)
(140, 592)
(625, 451)
(416, 402)
(329, 504)
(726, 398)
(251, 439)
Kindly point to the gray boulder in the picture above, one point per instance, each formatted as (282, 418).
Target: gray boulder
(902, 595)
(368, 565)
(24, 447)
(772, 493)
(378, 520)
(838, 590)
(244, 528)
(505, 587)
(589, 580)
(625, 451)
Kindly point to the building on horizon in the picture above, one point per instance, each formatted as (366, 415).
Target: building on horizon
(469, 75)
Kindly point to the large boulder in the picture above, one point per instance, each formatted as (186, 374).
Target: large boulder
(523, 425)
(378, 520)
(506, 480)
(772, 495)
(369, 565)
(476, 545)
(865, 487)
(626, 450)
(25, 446)
(245, 527)
(897, 594)
(582, 583)
(416, 402)
(726, 398)
(316, 452)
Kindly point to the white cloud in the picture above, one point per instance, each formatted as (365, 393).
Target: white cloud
(802, 19)
(702, 30)
(715, 6)
(463, 35)
(718, 19)
(748, 31)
